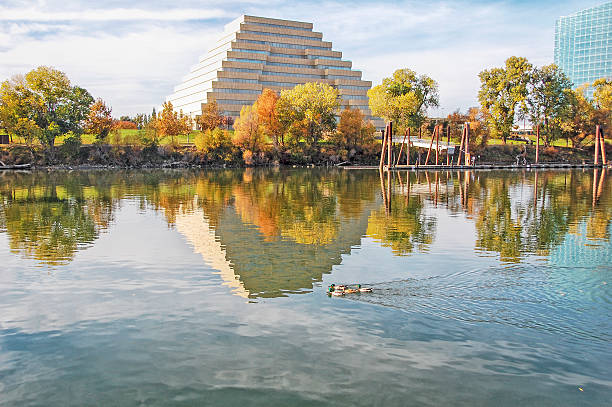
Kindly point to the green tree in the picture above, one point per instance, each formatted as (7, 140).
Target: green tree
(404, 98)
(549, 100)
(502, 92)
(43, 103)
(311, 108)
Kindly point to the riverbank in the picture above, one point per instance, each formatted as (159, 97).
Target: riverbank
(104, 156)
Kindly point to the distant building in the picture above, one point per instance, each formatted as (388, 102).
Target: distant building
(254, 53)
(583, 44)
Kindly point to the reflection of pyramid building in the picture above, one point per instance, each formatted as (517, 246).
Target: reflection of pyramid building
(254, 53)
(257, 267)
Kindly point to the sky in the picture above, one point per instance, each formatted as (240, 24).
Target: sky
(132, 54)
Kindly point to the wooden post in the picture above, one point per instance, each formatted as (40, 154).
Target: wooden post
(596, 159)
(408, 149)
(437, 130)
(537, 144)
(602, 142)
(433, 135)
(390, 145)
(601, 183)
(467, 144)
(447, 144)
(458, 161)
(382, 153)
(399, 156)
(595, 176)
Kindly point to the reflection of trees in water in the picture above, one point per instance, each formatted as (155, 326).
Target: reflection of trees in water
(404, 226)
(50, 222)
(520, 216)
(49, 216)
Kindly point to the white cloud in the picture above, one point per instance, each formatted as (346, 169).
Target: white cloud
(115, 14)
(135, 66)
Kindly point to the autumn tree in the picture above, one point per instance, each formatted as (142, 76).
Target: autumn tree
(602, 96)
(352, 130)
(17, 104)
(248, 133)
(99, 120)
(309, 109)
(268, 117)
(502, 92)
(404, 98)
(170, 123)
(210, 117)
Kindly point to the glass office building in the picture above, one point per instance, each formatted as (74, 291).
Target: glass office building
(255, 53)
(583, 44)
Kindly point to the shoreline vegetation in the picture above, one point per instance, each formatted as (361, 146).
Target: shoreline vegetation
(51, 123)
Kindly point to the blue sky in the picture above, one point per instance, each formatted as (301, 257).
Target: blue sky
(131, 54)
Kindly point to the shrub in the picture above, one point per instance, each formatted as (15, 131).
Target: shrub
(124, 124)
(71, 146)
(216, 144)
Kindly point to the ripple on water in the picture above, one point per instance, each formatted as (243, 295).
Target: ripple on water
(557, 300)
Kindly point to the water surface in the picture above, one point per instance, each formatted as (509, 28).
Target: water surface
(208, 288)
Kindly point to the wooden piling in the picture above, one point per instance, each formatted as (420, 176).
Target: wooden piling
(458, 161)
(382, 153)
(537, 158)
(408, 149)
(596, 159)
(467, 144)
(602, 143)
(390, 145)
(437, 130)
(399, 156)
(447, 144)
(433, 135)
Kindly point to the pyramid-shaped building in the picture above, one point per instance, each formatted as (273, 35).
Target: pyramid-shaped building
(255, 53)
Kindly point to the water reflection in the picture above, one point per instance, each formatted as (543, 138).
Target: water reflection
(274, 232)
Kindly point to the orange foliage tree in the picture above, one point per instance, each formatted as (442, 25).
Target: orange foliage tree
(248, 133)
(352, 131)
(170, 123)
(267, 117)
(210, 117)
(99, 121)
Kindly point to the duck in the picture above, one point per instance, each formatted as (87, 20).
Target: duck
(363, 289)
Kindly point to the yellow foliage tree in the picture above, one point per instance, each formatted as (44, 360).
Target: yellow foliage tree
(247, 130)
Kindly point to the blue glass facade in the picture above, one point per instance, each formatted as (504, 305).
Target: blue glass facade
(583, 44)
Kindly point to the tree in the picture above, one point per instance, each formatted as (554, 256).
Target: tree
(404, 98)
(210, 117)
(581, 117)
(17, 105)
(99, 121)
(352, 130)
(603, 98)
(268, 118)
(248, 134)
(310, 108)
(171, 124)
(548, 101)
(43, 103)
(502, 92)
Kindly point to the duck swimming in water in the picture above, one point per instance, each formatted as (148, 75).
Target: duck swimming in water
(339, 290)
